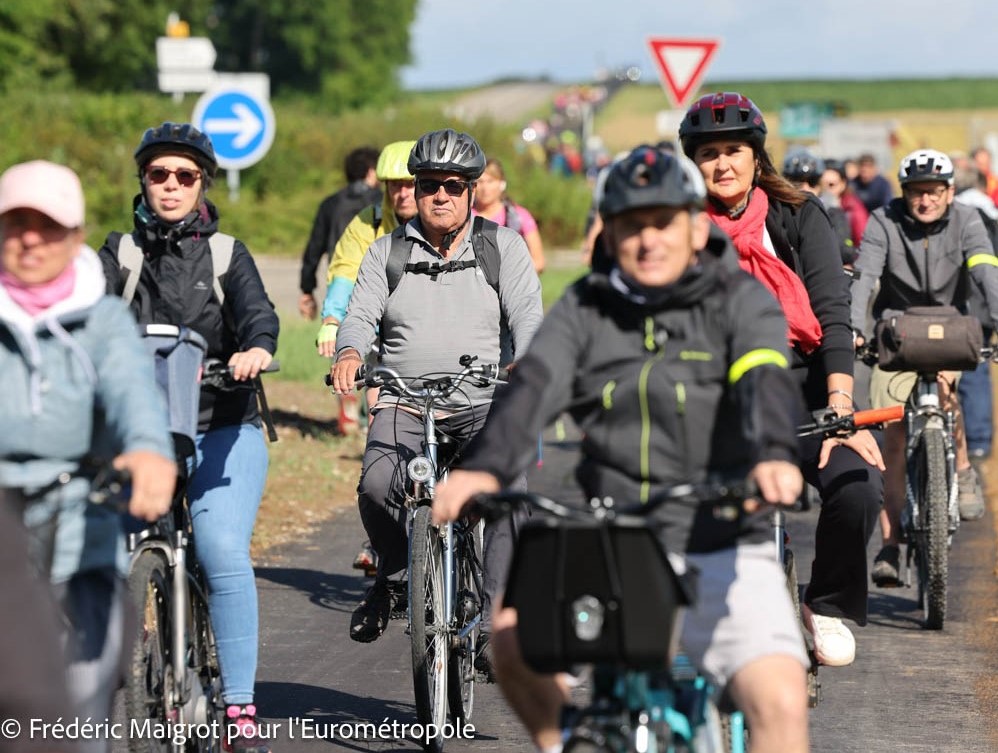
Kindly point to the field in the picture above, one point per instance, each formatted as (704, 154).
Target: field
(921, 113)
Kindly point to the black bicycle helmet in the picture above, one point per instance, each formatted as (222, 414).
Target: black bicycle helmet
(925, 165)
(649, 177)
(177, 138)
(722, 115)
(448, 151)
(803, 167)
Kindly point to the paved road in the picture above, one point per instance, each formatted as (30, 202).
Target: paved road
(505, 103)
(909, 690)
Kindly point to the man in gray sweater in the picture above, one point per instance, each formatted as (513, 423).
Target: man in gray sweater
(447, 302)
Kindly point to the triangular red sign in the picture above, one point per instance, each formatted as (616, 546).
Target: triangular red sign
(682, 63)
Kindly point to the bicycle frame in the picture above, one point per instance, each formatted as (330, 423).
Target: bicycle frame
(923, 411)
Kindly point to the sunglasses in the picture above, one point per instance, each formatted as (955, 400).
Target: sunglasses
(429, 186)
(185, 175)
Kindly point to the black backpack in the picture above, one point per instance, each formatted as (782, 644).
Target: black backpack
(484, 243)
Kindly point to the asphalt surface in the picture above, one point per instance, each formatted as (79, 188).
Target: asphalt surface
(909, 690)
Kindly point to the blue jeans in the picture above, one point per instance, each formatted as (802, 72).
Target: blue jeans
(224, 497)
(975, 402)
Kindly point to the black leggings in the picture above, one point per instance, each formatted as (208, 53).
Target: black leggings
(851, 492)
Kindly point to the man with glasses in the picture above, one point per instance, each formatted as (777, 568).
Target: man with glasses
(440, 308)
(921, 248)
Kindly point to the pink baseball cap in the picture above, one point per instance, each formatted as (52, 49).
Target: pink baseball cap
(51, 189)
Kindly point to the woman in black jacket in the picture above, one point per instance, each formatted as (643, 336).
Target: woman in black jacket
(175, 281)
(784, 238)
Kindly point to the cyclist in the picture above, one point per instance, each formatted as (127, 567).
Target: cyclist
(79, 391)
(397, 207)
(334, 214)
(805, 171)
(492, 202)
(783, 237)
(674, 316)
(173, 224)
(920, 248)
(425, 325)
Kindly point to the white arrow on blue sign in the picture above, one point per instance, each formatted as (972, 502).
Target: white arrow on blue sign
(240, 124)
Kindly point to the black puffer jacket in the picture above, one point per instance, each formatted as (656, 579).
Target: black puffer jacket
(668, 392)
(175, 287)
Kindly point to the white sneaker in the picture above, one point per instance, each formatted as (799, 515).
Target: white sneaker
(834, 644)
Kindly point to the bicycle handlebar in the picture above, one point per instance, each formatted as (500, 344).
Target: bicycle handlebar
(218, 374)
(432, 387)
(494, 506)
(829, 424)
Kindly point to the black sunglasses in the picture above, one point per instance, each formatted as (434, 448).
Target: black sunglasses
(430, 186)
(185, 175)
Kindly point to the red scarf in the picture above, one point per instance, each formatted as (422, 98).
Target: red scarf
(746, 233)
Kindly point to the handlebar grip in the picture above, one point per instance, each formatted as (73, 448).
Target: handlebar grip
(878, 415)
(503, 374)
(274, 367)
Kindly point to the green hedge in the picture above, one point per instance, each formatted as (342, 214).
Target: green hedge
(97, 134)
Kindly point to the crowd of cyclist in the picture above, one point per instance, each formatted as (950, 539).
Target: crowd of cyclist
(719, 288)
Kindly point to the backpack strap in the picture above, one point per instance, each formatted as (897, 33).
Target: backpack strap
(130, 260)
(512, 217)
(222, 246)
(376, 217)
(484, 244)
(398, 257)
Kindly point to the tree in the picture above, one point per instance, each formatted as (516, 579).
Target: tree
(347, 51)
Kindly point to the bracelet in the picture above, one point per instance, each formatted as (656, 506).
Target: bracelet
(842, 407)
(847, 395)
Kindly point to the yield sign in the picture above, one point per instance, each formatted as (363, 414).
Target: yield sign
(682, 63)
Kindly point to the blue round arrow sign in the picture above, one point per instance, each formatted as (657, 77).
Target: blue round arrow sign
(240, 124)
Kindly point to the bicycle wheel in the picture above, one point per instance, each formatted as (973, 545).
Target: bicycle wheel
(933, 538)
(209, 708)
(461, 663)
(428, 624)
(149, 680)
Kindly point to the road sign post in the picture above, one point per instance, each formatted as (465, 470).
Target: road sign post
(241, 126)
(682, 64)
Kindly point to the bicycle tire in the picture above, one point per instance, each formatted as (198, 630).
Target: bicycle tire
(461, 661)
(428, 627)
(148, 679)
(204, 657)
(934, 538)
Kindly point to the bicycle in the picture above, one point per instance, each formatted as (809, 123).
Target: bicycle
(621, 613)
(931, 512)
(173, 675)
(444, 574)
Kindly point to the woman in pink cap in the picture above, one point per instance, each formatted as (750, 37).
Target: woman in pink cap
(78, 387)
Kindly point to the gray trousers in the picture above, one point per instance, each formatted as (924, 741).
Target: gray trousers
(394, 438)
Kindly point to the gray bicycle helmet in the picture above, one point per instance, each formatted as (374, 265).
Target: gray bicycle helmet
(719, 116)
(177, 138)
(448, 151)
(649, 177)
(804, 167)
(925, 165)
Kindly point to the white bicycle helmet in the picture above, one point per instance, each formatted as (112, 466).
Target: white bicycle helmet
(925, 165)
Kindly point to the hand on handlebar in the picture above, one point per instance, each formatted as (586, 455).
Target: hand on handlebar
(454, 494)
(153, 479)
(249, 363)
(779, 481)
(344, 372)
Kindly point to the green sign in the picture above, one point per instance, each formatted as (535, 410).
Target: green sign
(802, 120)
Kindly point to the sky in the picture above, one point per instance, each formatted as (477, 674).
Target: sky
(457, 43)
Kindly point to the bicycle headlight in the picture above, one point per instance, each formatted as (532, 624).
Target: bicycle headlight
(587, 618)
(420, 470)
